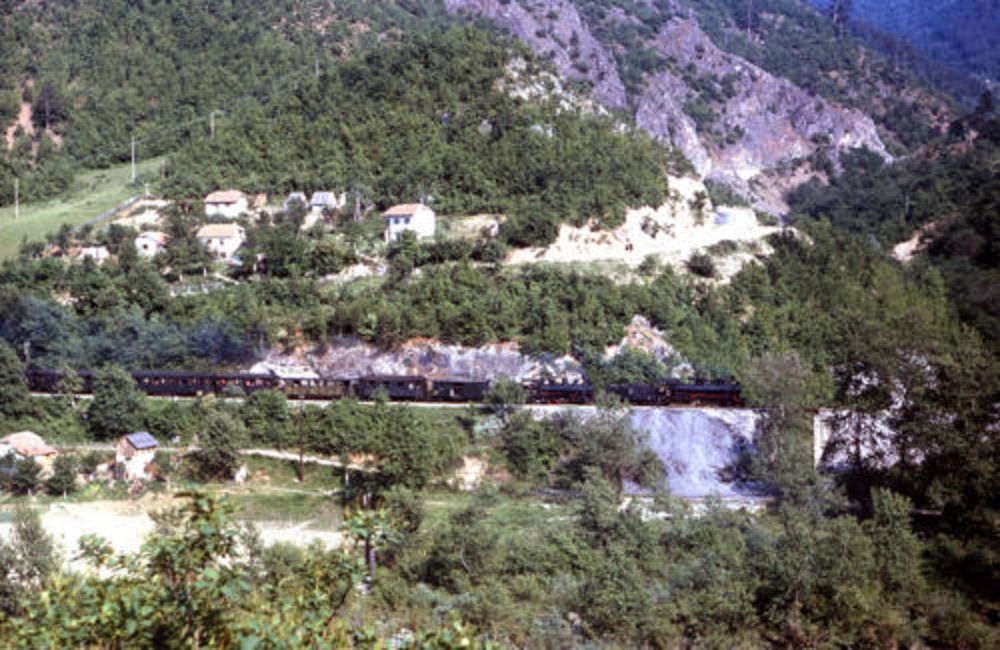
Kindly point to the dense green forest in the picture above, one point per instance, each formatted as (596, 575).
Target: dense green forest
(959, 33)
(951, 192)
(881, 554)
(429, 118)
(98, 74)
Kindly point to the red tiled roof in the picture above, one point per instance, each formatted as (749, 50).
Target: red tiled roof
(225, 196)
(403, 209)
(27, 443)
(219, 230)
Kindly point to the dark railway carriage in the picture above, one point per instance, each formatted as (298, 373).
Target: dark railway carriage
(248, 382)
(174, 384)
(318, 388)
(458, 390)
(546, 392)
(706, 394)
(40, 380)
(396, 387)
(642, 394)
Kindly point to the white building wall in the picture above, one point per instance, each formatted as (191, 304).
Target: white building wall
(422, 223)
(227, 210)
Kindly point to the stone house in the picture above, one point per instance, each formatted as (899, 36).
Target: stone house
(26, 444)
(134, 455)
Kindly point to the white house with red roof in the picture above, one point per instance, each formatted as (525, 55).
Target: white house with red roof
(26, 444)
(222, 240)
(229, 204)
(409, 217)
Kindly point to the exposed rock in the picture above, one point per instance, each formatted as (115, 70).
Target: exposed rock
(702, 449)
(351, 357)
(554, 28)
(777, 122)
(751, 139)
(671, 234)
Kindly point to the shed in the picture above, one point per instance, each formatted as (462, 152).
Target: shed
(134, 455)
(293, 198)
(97, 253)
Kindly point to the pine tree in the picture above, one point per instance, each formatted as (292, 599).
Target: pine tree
(13, 389)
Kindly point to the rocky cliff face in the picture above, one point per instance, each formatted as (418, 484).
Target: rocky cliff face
(735, 122)
(555, 29)
(746, 123)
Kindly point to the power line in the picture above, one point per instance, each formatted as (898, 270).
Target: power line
(260, 96)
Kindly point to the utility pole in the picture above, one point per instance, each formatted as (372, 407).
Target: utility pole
(211, 125)
(133, 158)
(17, 198)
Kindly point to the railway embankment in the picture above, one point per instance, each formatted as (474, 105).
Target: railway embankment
(703, 450)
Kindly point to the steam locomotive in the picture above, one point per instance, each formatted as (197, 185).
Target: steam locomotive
(404, 388)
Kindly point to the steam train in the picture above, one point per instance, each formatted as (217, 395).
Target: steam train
(404, 388)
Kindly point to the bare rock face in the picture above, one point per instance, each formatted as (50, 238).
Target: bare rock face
(554, 28)
(351, 357)
(774, 122)
(660, 113)
(736, 123)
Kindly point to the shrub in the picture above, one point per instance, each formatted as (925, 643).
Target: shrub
(702, 265)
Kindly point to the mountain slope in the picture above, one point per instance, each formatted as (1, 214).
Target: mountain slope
(758, 104)
(961, 33)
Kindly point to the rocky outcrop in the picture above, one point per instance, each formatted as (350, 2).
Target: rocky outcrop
(750, 122)
(735, 122)
(555, 29)
(703, 450)
(351, 357)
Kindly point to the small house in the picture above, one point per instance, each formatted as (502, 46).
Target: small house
(326, 202)
(228, 204)
(293, 198)
(221, 240)
(97, 253)
(26, 444)
(134, 455)
(413, 217)
(149, 243)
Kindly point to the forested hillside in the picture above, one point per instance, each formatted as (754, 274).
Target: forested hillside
(961, 33)
(399, 102)
(97, 74)
(433, 118)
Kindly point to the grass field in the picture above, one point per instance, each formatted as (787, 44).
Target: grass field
(92, 193)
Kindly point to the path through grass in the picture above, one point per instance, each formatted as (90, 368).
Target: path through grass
(92, 193)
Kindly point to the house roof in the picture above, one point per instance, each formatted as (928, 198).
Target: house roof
(160, 238)
(142, 440)
(26, 443)
(403, 209)
(324, 199)
(225, 196)
(219, 231)
(97, 252)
